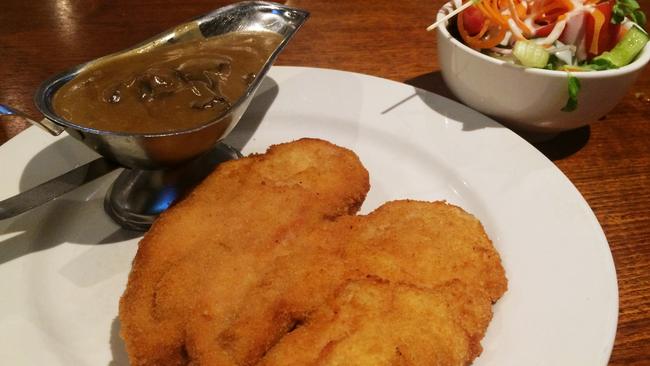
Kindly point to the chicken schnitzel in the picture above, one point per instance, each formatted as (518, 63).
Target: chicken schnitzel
(276, 269)
(376, 322)
(240, 213)
(418, 244)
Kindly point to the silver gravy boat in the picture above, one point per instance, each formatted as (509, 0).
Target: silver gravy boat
(160, 167)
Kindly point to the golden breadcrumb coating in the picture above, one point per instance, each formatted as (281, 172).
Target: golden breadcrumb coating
(238, 214)
(265, 263)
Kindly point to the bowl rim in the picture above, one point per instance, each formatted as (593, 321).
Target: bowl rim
(640, 61)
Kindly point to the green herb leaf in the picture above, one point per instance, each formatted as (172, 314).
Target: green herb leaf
(601, 64)
(574, 89)
(639, 18)
(629, 9)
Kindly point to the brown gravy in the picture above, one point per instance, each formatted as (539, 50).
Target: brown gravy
(173, 87)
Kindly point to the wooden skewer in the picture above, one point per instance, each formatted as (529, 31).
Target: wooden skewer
(452, 14)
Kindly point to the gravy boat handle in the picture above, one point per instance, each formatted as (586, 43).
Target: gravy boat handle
(45, 124)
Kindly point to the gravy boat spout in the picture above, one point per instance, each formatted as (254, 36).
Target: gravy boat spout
(159, 150)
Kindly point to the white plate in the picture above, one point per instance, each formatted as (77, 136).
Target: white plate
(63, 266)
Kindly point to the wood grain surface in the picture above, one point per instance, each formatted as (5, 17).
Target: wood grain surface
(609, 162)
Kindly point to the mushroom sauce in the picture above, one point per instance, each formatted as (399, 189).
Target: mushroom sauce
(169, 88)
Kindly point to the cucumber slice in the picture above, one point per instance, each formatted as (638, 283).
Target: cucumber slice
(625, 50)
(530, 54)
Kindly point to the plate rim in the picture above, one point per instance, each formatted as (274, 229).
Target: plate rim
(279, 70)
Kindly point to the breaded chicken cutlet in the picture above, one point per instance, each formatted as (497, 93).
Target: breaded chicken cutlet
(376, 322)
(234, 221)
(293, 283)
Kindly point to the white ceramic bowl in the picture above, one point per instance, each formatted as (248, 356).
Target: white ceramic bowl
(527, 99)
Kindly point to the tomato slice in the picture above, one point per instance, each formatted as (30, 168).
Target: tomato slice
(489, 36)
(548, 11)
(601, 34)
(473, 20)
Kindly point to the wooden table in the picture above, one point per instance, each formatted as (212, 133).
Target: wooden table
(609, 162)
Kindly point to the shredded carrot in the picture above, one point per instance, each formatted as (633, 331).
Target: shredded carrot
(599, 21)
(492, 10)
(621, 32)
(572, 68)
(521, 9)
(515, 16)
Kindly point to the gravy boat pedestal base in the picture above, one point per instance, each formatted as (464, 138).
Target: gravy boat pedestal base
(137, 197)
